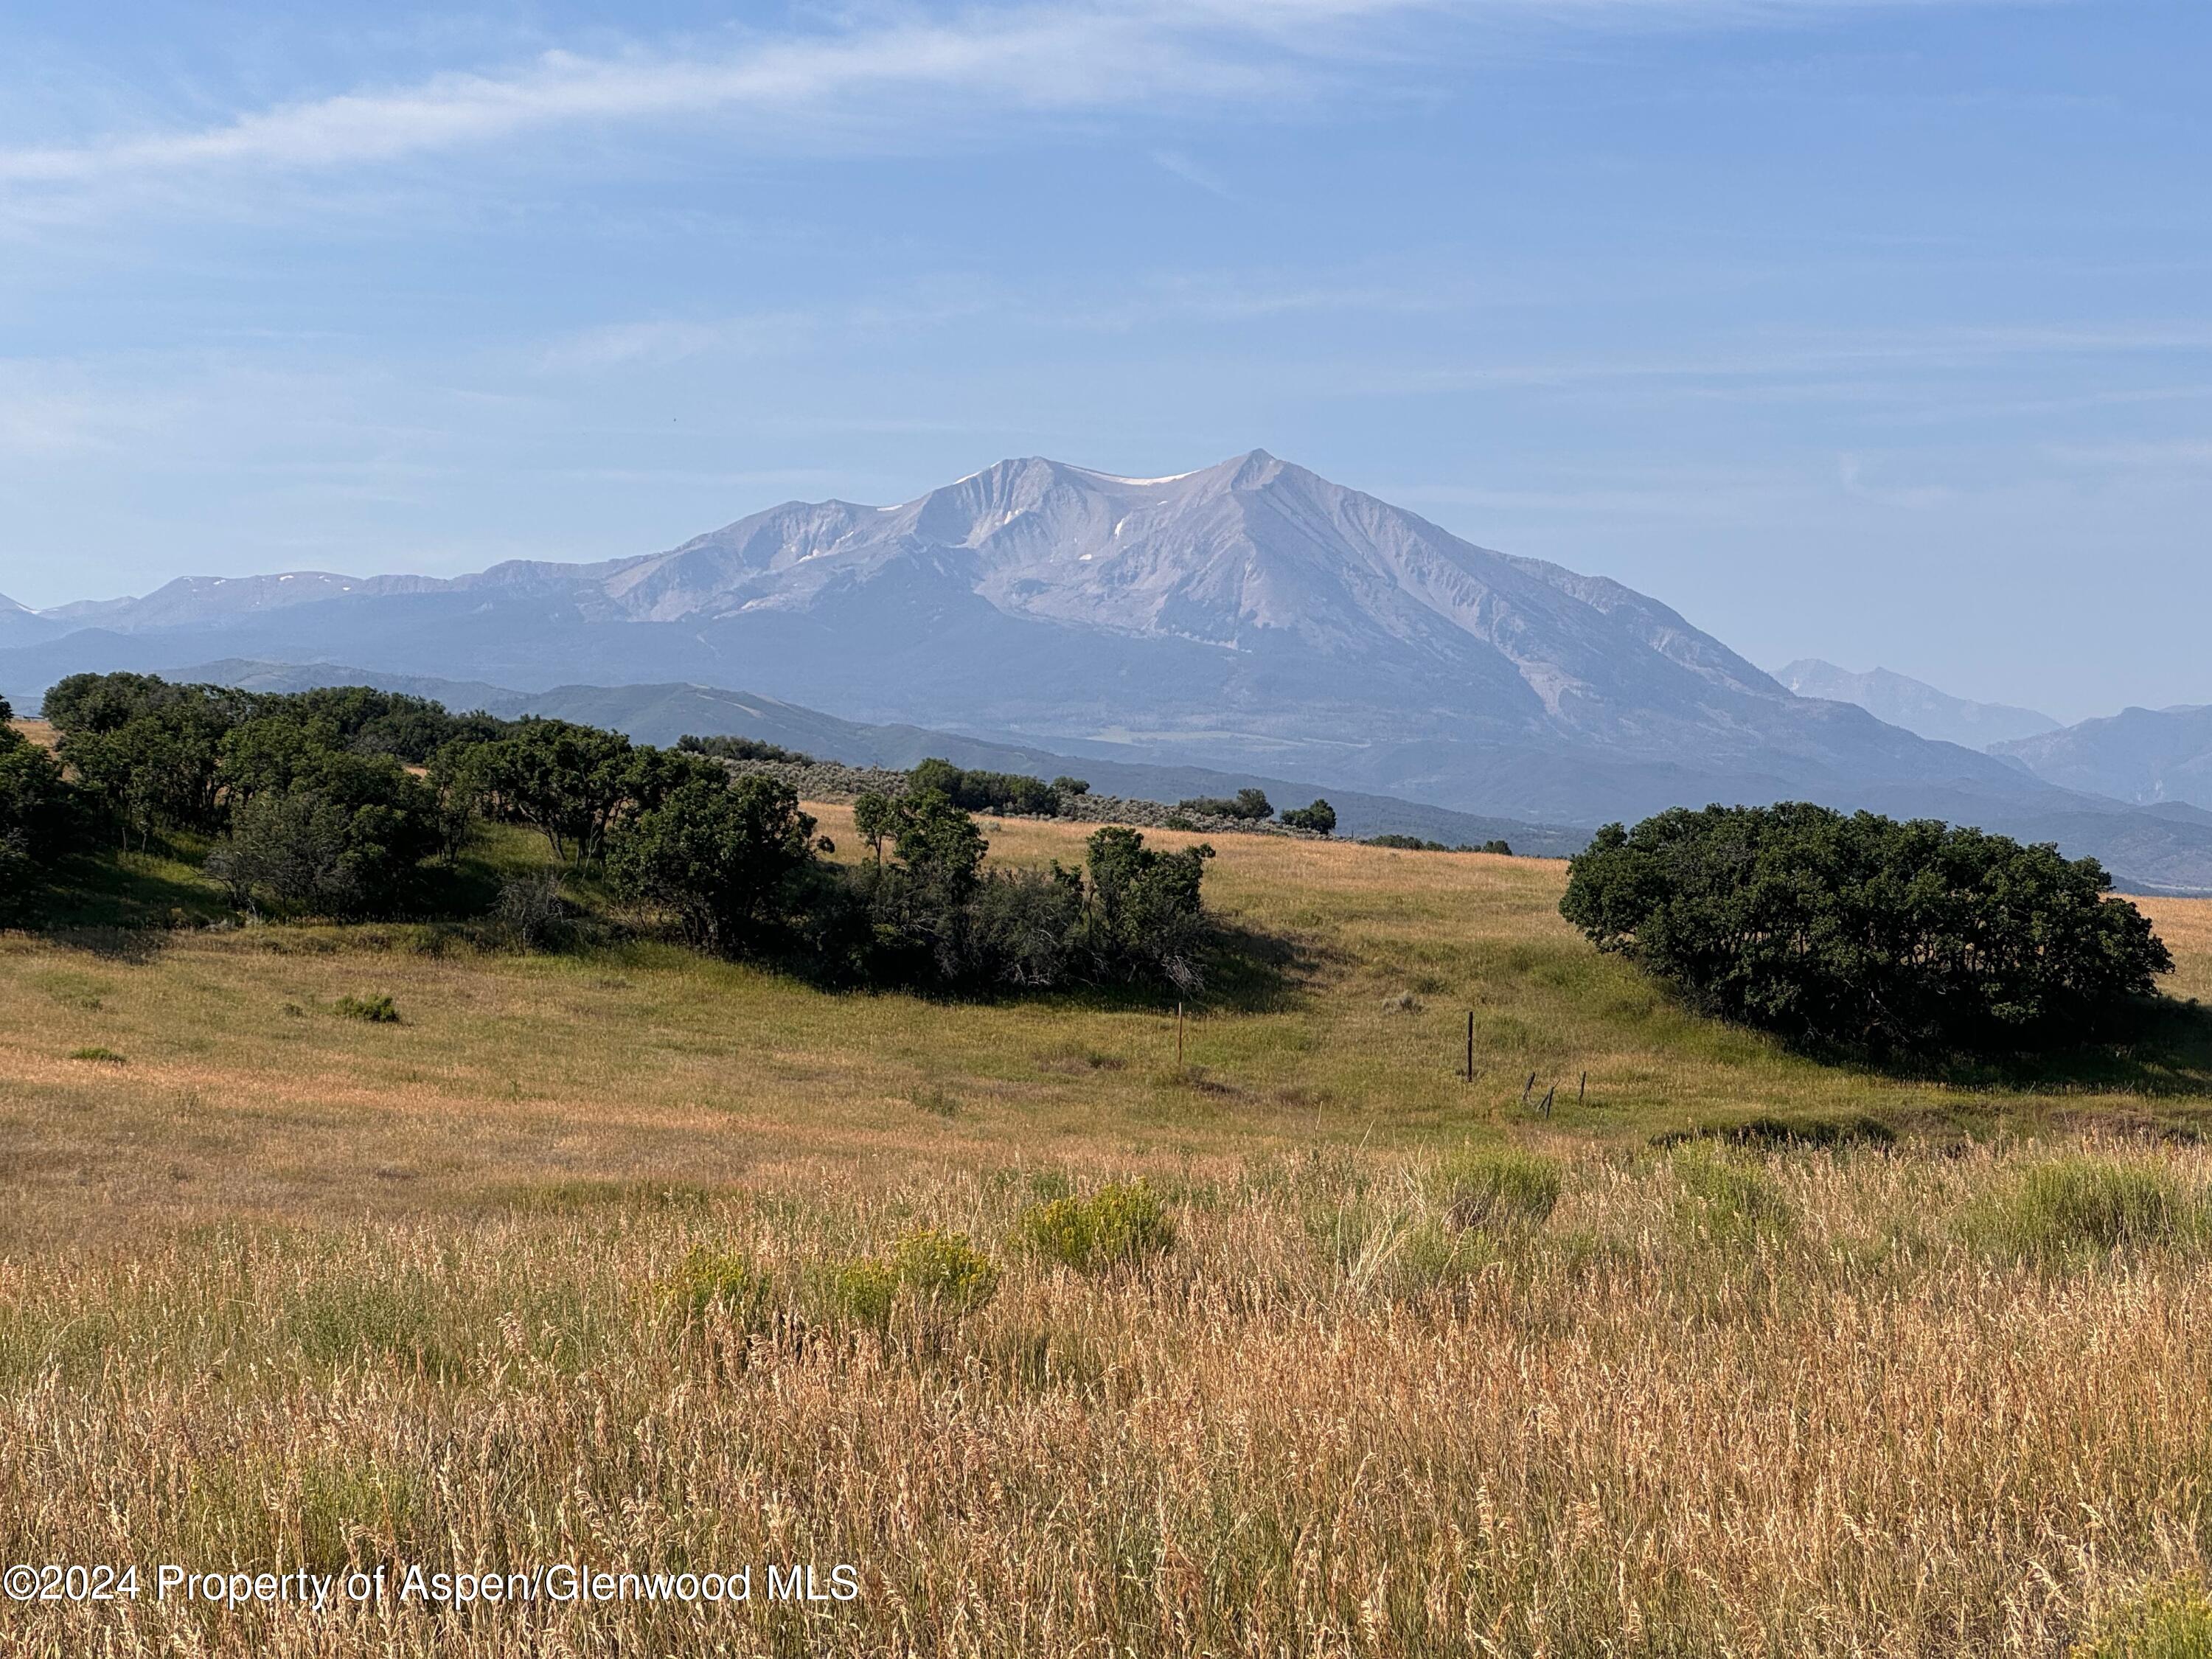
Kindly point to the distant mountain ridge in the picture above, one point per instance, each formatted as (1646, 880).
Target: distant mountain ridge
(1250, 614)
(1247, 617)
(1915, 705)
(2140, 754)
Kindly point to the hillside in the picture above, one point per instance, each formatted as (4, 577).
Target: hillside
(1315, 1046)
(595, 1233)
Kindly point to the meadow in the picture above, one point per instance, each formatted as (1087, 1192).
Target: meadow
(610, 1256)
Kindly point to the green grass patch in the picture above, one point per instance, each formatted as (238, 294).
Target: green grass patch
(2081, 1207)
(95, 1053)
(1495, 1188)
(937, 1102)
(1724, 1203)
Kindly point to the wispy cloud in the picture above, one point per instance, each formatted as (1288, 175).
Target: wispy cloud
(1061, 56)
(1182, 166)
(1065, 58)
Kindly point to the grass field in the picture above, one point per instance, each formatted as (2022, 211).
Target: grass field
(560, 1265)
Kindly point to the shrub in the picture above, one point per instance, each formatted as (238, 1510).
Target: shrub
(105, 1056)
(1496, 1189)
(1144, 919)
(1251, 804)
(333, 834)
(1828, 1133)
(865, 1292)
(2082, 1207)
(933, 917)
(373, 1011)
(1019, 930)
(1503, 850)
(1120, 1223)
(746, 748)
(721, 1283)
(1864, 933)
(945, 1272)
(942, 1274)
(531, 913)
(1068, 788)
(1320, 818)
(987, 792)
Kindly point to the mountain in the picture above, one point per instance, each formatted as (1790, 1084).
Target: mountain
(1250, 618)
(662, 713)
(20, 624)
(1915, 705)
(2143, 755)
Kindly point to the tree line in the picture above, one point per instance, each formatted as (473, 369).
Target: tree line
(334, 802)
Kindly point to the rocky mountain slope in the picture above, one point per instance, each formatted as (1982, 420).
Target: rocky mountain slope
(1251, 614)
(1915, 705)
(2140, 754)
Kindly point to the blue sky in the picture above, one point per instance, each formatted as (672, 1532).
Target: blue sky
(1876, 330)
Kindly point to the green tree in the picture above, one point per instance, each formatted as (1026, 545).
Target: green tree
(1249, 803)
(1320, 818)
(149, 753)
(875, 820)
(37, 812)
(1143, 919)
(722, 858)
(938, 845)
(339, 839)
(568, 782)
(1863, 932)
(458, 778)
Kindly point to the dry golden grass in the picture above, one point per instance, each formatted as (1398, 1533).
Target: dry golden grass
(285, 1288)
(1323, 1422)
